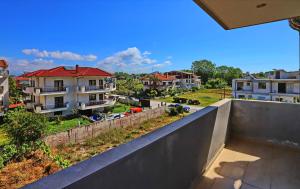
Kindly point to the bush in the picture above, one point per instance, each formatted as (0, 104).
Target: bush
(24, 127)
(215, 83)
(173, 112)
(194, 89)
(194, 102)
(179, 109)
(176, 99)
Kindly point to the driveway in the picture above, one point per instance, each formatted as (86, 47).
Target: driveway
(155, 103)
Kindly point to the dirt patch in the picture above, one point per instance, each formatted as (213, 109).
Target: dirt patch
(29, 169)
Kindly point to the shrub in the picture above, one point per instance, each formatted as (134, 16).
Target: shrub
(24, 127)
(194, 89)
(179, 109)
(215, 83)
(176, 99)
(173, 112)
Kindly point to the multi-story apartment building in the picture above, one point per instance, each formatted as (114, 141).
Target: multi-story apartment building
(4, 87)
(278, 86)
(185, 80)
(171, 80)
(62, 90)
(158, 81)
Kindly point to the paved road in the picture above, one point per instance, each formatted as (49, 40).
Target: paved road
(155, 103)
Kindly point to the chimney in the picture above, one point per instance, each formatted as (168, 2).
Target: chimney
(77, 68)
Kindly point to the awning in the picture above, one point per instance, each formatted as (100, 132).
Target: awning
(232, 14)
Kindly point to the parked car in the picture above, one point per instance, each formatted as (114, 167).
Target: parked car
(173, 105)
(133, 111)
(115, 116)
(186, 109)
(97, 117)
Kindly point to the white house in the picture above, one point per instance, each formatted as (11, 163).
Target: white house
(158, 81)
(4, 87)
(62, 90)
(279, 86)
(171, 80)
(185, 80)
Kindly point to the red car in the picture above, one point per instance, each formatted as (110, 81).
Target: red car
(133, 111)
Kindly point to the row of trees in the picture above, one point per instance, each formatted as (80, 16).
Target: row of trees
(208, 70)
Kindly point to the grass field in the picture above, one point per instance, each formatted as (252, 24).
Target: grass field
(81, 151)
(64, 125)
(120, 108)
(205, 96)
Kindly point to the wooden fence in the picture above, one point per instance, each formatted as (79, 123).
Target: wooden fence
(79, 134)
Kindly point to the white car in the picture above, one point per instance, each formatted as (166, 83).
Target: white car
(115, 116)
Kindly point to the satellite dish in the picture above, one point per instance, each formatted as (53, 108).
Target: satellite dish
(295, 23)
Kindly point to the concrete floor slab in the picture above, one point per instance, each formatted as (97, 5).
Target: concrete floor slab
(252, 165)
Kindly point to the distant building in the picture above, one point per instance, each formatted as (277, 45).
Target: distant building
(21, 81)
(279, 85)
(185, 80)
(158, 81)
(171, 80)
(4, 87)
(61, 90)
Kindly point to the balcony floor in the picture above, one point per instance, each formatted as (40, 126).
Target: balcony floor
(252, 165)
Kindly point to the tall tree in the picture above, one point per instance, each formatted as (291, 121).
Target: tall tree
(204, 68)
(228, 73)
(14, 92)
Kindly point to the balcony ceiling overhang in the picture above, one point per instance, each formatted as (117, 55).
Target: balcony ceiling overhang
(232, 14)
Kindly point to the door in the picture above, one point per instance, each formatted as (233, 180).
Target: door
(59, 102)
(58, 85)
(101, 84)
(281, 87)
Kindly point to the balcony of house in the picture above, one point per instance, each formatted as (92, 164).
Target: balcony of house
(41, 108)
(230, 144)
(96, 104)
(50, 91)
(28, 90)
(96, 89)
(4, 73)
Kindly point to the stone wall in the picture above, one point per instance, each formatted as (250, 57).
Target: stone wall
(80, 134)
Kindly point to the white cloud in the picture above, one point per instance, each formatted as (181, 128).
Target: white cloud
(129, 60)
(19, 66)
(65, 55)
(146, 53)
(164, 64)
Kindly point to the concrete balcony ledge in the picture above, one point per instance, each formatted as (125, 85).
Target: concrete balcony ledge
(28, 90)
(95, 89)
(50, 91)
(177, 156)
(50, 108)
(95, 104)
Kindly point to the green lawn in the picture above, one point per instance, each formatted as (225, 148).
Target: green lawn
(205, 96)
(52, 128)
(120, 108)
(64, 125)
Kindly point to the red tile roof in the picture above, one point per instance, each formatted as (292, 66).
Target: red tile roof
(21, 78)
(3, 64)
(61, 71)
(161, 77)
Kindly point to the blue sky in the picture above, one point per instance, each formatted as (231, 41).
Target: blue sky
(135, 36)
